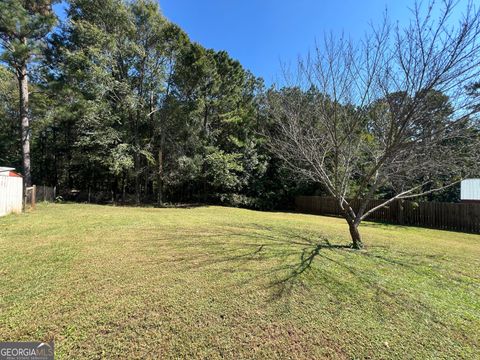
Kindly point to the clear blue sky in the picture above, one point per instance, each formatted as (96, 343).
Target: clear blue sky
(262, 34)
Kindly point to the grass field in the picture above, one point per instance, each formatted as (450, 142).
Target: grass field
(214, 282)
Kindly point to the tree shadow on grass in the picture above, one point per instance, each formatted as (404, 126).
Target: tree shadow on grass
(307, 257)
(283, 260)
(279, 246)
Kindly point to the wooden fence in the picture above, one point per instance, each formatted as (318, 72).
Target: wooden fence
(446, 216)
(38, 193)
(45, 193)
(30, 197)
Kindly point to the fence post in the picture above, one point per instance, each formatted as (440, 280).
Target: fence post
(400, 212)
(34, 196)
(24, 207)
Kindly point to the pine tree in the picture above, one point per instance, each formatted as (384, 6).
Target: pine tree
(23, 27)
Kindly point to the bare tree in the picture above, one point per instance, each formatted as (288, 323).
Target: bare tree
(390, 111)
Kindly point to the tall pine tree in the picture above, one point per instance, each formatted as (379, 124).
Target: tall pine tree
(24, 24)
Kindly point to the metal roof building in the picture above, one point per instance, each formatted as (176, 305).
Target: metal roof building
(11, 191)
(470, 190)
(8, 171)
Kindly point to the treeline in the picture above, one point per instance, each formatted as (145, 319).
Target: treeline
(125, 106)
(116, 101)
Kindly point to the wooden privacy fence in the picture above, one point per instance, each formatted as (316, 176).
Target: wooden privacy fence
(446, 216)
(45, 193)
(37, 193)
(30, 197)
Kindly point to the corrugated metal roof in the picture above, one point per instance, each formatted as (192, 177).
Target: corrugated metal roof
(470, 189)
(5, 171)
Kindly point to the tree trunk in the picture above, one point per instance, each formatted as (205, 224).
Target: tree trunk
(136, 158)
(137, 179)
(353, 222)
(356, 237)
(160, 174)
(25, 124)
(124, 185)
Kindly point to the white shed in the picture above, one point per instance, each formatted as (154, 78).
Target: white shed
(470, 190)
(11, 191)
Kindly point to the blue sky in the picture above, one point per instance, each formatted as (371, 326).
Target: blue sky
(262, 34)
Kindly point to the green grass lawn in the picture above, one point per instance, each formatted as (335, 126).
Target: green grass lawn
(215, 282)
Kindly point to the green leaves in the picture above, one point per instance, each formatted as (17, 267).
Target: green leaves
(223, 170)
(128, 99)
(121, 159)
(23, 27)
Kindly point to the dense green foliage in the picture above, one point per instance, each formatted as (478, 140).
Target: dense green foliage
(24, 26)
(125, 108)
(9, 140)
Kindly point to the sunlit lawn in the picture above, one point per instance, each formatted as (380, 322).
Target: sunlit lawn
(215, 282)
